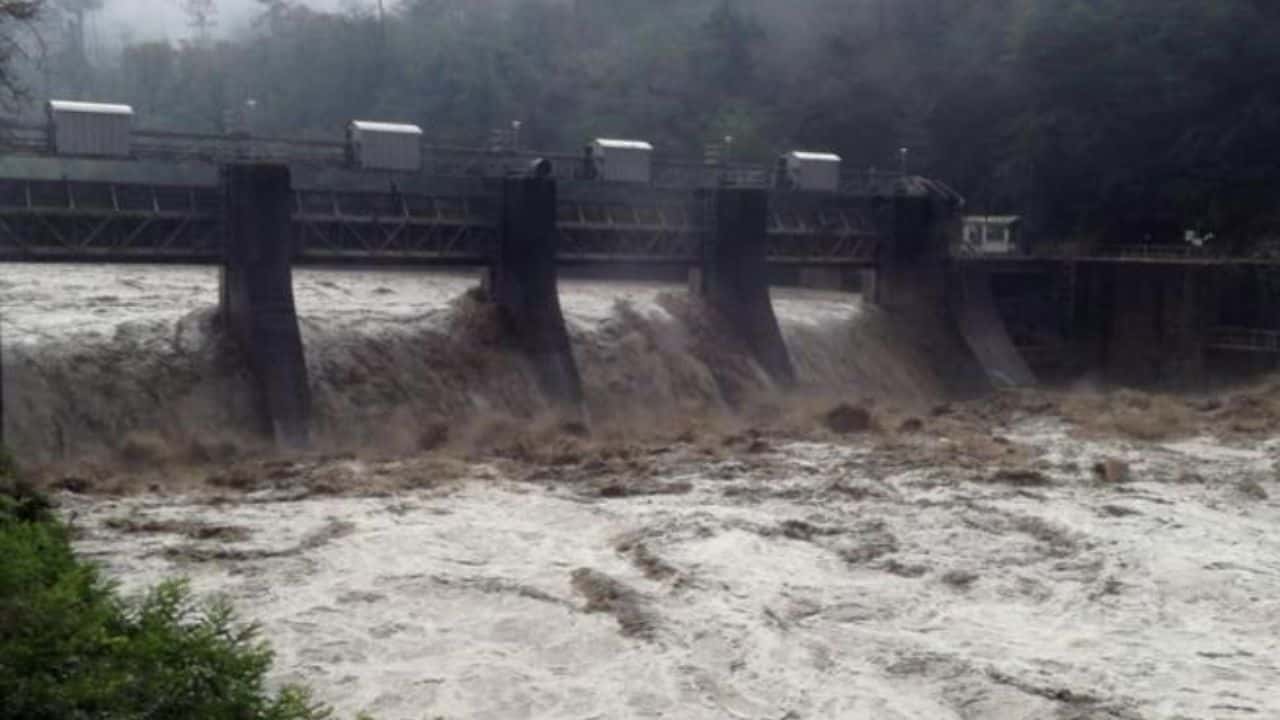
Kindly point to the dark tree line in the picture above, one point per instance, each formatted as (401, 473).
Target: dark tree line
(1117, 119)
(14, 15)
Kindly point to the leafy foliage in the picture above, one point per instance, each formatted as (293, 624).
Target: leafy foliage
(70, 647)
(19, 502)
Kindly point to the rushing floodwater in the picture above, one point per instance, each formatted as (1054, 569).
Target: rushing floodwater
(95, 353)
(810, 580)
(706, 575)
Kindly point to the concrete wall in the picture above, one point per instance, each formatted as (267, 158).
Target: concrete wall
(524, 284)
(914, 257)
(985, 331)
(1158, 323)
(256, 303)
(912, 281)
(734, 277)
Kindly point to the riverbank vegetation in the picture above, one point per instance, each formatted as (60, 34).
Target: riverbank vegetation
(72, 647)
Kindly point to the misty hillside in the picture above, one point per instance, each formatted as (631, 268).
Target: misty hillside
(1119, 118)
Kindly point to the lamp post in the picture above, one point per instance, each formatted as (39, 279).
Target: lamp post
(726, 174)
(247, 126)
(902, 156)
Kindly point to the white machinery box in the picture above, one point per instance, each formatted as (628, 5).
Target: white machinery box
(89, 129)
(385, 146)
(815, 171)
(623, 160)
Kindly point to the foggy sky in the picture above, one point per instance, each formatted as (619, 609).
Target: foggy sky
(138, 20)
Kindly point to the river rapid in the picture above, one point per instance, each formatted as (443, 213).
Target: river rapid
(871, 546)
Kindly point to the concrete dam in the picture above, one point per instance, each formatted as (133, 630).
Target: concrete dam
(1146, 315)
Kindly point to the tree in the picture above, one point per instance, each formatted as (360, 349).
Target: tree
(13, 15)
(150, 76)
(1144, 117)
(1116, 118)
(202, 15)
(726, 57)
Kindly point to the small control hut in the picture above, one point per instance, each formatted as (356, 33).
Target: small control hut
(809, 171)
(629, 161)
(89, 129)
(384, 146)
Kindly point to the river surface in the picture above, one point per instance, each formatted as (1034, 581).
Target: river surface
(999, 558)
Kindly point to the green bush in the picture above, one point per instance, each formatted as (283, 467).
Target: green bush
(71, 647)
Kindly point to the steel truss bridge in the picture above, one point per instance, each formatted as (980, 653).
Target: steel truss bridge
(441, 161)
(65, 220)
(456, 223)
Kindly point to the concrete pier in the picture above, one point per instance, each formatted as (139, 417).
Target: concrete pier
(914, 256)
(734, 277)
(256, 296)
(523, 284)
(913, 282)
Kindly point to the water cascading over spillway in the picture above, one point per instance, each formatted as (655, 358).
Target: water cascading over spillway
(95, 355)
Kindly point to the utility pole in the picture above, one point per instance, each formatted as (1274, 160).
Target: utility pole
(383, 50)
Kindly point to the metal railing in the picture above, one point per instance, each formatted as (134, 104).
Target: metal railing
(1161, 251)
(50, 220)
(165, 145)
(443, 160)
(1169, 253)
(1244, 339)
(107, 221)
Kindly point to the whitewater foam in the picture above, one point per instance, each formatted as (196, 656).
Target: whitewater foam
(95, 353)
(747, 575)
(804, 580)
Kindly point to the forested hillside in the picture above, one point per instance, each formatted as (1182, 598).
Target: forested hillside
(1116, 118)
